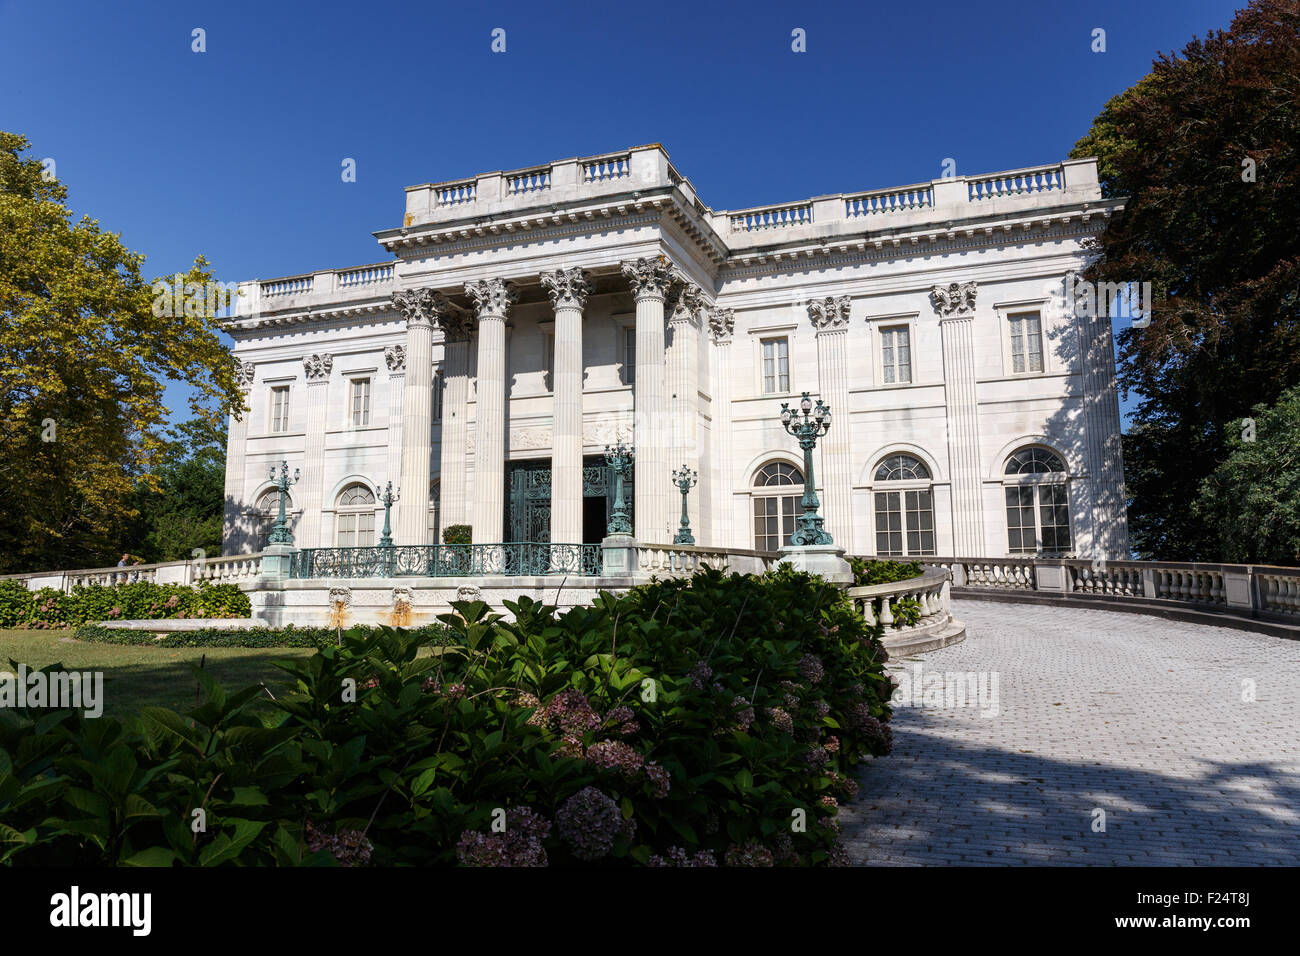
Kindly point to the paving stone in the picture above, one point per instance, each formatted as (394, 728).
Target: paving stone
(1138, 716)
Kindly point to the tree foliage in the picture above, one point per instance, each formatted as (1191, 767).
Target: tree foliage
(1205, 150)
(84, 360)
(1251, 501)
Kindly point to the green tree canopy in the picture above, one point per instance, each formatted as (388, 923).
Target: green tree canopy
(1251, 501)
(84, 360)
(1205, 150)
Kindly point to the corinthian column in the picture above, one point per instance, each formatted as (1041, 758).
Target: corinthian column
(830, 317)
(650, 280)
(455, 405)
(722, 323)
(233, 538)
(492, 300)
(568, 289)
(418, 306)
(955, 305)
(317, 370)
(683, 388)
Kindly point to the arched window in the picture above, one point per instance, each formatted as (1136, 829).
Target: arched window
(778, 488)
(435, 516)
(355, 518)
(904, 507)
(1038, 502)
(267, 511)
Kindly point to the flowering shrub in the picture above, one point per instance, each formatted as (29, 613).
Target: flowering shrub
(868, 571)
(139, 600)
(712, 720)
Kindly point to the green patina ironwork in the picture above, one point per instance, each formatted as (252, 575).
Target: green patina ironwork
(517, 559)
(815, 423)
(389, 498)
(528, 495)
(620, 459)
(280, 533)
(685, 480)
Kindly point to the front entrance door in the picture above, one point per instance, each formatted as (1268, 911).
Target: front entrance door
(528, 499)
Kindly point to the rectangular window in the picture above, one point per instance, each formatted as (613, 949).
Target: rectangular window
(1054, 515)
(889, 524)
(357, 530)
(776, 366)
(1021, 538)
(360, 402)
(280, 408)
(896, 355)
(774, 522)
(920, 522)
(1026, 342)
(438, 387)
(629, 356)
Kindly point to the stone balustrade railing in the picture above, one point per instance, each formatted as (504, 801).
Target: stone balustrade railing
(229, 569)
(680, 560)
(929, 601)
(1258, 591)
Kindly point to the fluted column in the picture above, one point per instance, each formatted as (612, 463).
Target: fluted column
(683, 389)
(233, 537)
(956, 308)
(395, 359)
(650, 280)
(722, 323)
(830, 317)
(418, 305)
(317, 370)
(1108, 520)
(492, 299)
(455, 411)
(568, 289)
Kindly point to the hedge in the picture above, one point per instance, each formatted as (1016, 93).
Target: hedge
(139, 600)
(288, 636)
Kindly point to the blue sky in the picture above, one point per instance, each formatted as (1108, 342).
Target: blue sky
(236, 152)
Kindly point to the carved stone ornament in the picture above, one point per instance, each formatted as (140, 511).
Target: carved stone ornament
(395, 356)
(957, 298)
(244, 372)
(417, 305)
(317, 367)
(402, 597)
(469, 592)
(492, 296)
(650, 278)
(341, 596)
(722, 323)
(830, 313)
(567, 287)
(683, 302)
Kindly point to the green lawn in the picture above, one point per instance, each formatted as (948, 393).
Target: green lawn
(135, 677)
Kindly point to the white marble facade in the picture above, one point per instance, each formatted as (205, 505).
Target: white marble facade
(536, 316)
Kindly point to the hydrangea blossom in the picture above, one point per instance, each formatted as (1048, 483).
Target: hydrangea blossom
(590, 822)
(676, 856)
(749, 853)
(520, 844)
(616, 755)
(810, 668)
(781, 720)
(349, 847)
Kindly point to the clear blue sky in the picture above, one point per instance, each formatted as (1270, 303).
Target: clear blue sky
(236, 152)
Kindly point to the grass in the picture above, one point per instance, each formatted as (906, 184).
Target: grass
(136, 677)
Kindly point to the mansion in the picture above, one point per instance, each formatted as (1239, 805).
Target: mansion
(521, 322)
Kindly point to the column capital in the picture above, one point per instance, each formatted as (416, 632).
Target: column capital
(722, 323)
(395, 357)
(650, 278)
(682, 302)
(955, 300)
(421, 306)
(492, 297)
(567, 287)
(830, 314)
(317, 368)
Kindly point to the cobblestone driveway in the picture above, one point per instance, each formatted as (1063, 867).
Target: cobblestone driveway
(1139, 717)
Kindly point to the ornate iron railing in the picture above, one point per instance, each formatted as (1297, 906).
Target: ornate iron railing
(516, 559)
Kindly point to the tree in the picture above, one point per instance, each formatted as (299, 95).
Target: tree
(181, 514)
(1204, 148)
(1252, 499)
(84, 358)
